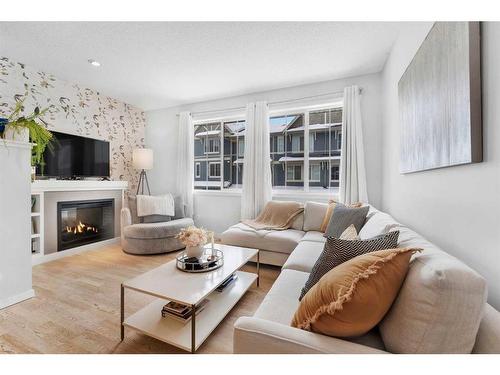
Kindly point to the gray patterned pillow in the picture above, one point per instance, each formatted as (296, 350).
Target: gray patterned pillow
(344, 216)
(337, 251)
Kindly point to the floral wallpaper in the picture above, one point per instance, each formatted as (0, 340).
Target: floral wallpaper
(77, 110)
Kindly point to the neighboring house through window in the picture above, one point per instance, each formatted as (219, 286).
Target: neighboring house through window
(220, 151)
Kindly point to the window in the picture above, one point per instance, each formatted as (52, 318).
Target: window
(322, 128)
(314, 172)
(207, 149)
(294, 173)
(197, 170)
(297, 140)
(312, 140)
(218, 152)
(325, 128)
(214, 169)
(241, 147)
(335, 174)
(212, 145)
(280, 143)
(287, 162)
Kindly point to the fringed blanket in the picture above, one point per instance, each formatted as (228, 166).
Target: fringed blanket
(276, 215)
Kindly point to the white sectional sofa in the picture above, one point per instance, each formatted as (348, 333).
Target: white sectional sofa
(441, 307)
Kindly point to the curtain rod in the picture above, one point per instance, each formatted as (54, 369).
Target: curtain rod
(270, 103)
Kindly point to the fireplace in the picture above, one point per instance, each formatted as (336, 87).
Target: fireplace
(84, 222)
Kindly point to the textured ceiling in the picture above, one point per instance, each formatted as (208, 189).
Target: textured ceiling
(162, 64)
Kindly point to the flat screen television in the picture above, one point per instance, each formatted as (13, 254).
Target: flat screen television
(74, 156)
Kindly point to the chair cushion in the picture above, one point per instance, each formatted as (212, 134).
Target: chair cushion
(353, 297)
(337, 251)
(281, 241)
(156, 230)
(314, 213)
(439, 306)
(304, 257)
(179, 211)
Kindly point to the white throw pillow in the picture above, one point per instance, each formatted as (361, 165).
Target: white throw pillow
(314, 213)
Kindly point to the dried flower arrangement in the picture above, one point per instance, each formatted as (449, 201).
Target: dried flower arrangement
(193, 236)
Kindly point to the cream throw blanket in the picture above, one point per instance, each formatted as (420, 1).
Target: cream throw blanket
(276, 215)
(155, 205)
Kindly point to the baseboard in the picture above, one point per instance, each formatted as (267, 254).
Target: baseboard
(39, 259)
(16, 299)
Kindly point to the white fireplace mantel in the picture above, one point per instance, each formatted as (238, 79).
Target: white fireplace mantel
(77, 185)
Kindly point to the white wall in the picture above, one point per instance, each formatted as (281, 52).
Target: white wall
(218, 212)
(457, 208)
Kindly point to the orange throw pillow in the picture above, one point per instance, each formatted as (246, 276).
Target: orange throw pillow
(329, 212)
(353, 297)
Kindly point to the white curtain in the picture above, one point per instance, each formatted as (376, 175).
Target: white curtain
(257, 189)
(185, 164)
(352, 163)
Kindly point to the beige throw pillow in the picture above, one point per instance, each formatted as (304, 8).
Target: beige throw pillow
(353, 297)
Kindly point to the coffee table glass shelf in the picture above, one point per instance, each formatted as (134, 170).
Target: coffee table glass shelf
(168, 283)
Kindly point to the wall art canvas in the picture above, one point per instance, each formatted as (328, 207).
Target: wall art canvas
(440, 100)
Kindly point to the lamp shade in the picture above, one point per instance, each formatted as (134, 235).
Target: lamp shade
(142, 158)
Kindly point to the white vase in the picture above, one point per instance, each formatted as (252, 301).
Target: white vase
(194, 251)
(21, 135)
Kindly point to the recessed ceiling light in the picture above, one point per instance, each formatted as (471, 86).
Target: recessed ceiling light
(94, 63)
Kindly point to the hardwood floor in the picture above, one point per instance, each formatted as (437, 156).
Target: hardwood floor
(77, 307)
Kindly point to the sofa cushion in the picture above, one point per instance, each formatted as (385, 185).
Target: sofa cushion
(337, 251)
(314, 236)
(304, 256)
(343, 217)
(439, 306)
(156, 230)
(314, 213)
(282, 300)
(352, 298)
(281, 241)
(378, 223)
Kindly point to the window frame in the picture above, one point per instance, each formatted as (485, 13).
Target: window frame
(338, 103)
(305, 169)
(220, 120)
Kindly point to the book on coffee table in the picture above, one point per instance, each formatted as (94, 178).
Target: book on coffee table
(180, 312)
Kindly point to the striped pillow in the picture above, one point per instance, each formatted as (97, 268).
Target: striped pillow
(338, 251)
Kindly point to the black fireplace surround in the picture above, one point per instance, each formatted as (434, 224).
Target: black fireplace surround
(84, 222)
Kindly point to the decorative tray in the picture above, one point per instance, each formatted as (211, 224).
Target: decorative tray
(209, 261)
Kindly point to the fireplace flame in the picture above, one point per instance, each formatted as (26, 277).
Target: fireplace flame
(81, 228)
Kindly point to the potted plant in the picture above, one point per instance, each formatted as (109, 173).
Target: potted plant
(24, 128)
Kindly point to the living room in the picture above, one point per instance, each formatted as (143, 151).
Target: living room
(250, 187)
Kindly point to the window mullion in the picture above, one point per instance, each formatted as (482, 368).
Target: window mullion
(306, 151)
(221, 150)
